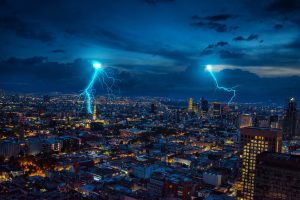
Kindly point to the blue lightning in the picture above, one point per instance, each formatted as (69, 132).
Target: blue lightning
(231, 90)
(88, 91)
(107, 81)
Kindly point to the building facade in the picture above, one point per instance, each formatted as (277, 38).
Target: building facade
(277, 177)
(253, 142)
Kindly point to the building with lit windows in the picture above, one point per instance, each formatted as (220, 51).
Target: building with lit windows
(253, 142)
(190, 105)
(277, 176)
(95, 112)
(216, 109)
(245, 120)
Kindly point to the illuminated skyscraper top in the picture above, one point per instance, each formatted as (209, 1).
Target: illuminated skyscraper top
(190, 105)
(95, 111)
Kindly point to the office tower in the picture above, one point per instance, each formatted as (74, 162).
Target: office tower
(253, 142)
(290, 119)
(262, 121)
(245, 120)
(190, 105)
(216, 109)
(153, 108)
(203, 105)
(277, 176)
(95, 112)
(274, 121)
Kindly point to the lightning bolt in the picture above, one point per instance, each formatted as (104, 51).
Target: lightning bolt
(231, 90)
(88, 91)
(108, 82)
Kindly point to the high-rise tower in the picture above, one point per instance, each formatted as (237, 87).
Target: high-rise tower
(290, 120)
(95, 112)
(190, 105)
(253, 142)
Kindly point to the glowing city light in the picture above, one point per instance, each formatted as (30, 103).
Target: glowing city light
(209, 68)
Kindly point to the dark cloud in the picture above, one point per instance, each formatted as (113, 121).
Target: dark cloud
(218, 27)
(128, 42)
(206, 52)
(24, 29)
(278, 26)
(37, 74)
(294, 45)
(284, 6)
(220, 17)
(213, 22)
(58, 51)
(249, 38)
(225, 54)
(218, 44)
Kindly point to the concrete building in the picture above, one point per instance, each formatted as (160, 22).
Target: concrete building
(277, 177)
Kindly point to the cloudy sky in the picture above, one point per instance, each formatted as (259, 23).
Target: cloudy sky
(153, 47)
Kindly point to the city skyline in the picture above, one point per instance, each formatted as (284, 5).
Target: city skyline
(153, 47)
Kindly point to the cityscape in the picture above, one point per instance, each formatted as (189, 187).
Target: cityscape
(150, 100)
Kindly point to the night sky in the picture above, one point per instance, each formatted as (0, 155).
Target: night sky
(153, 47)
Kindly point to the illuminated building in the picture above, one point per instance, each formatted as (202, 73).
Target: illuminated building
(245, 120)
(190, 105)
(216, 109)
(277, 176)
(253, 142)
(290, 120)
(95, 112)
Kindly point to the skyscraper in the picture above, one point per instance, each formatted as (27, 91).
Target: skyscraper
(277, 176)
(216, 109)
(190, 105)
(203, 105)
(253, 142)
(290, 119)
(95, 112)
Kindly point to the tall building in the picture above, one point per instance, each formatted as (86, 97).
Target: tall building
(190, 105)
(253, 142)
(153, 108)
(274, 121)
(216, 109)
(95, 112)
(203, 105)
(290, 119)
(277, 176)
(245, 120)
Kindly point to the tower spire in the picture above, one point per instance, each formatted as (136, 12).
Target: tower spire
(95, 111)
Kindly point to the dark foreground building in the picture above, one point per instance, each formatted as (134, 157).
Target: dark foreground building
(277, 177)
